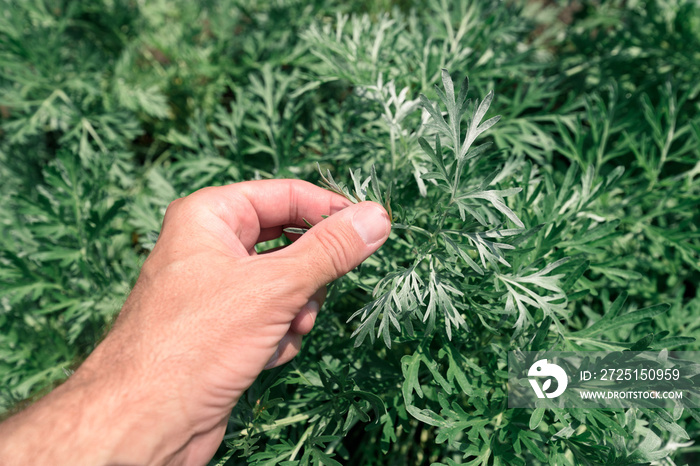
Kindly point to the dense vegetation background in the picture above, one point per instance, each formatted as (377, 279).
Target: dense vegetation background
(110, 109)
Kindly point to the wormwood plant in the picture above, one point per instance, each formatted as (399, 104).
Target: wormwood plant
(463, 279)
(427, 287)
(448, 295)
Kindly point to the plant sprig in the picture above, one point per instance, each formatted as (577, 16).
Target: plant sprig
(361, 189)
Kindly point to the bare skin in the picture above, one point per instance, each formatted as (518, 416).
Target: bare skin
(205, 317)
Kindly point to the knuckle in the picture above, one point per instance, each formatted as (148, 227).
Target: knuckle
(173, 207)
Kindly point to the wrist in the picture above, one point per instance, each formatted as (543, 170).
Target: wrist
(131, 407)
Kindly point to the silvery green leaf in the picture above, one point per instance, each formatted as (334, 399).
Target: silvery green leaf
(360, 186)
(295, 230)
(495, 197)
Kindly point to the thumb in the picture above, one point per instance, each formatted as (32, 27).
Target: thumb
(340, 243)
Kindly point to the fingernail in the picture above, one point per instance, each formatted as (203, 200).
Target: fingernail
(371, 223)
(311, 309)
(273, 360)
(313, 306)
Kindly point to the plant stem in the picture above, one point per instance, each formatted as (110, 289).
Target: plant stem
(301, 441)
(268, 427)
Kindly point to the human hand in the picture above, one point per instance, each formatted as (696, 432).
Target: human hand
(208, 313)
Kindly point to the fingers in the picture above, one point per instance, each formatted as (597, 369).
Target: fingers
(304, 321)
(285, 202)
(254, 210)
(289, 346)
(338, 244)
(250, 212)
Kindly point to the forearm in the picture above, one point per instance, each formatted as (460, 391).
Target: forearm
(93, 418)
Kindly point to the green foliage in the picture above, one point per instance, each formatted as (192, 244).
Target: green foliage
(67, 265)
(571, 224)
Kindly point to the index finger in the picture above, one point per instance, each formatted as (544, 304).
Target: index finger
(250, 207)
